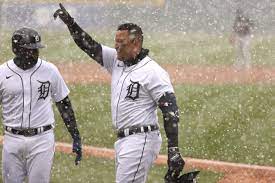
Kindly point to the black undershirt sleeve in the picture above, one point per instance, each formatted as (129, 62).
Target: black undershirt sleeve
(85, 42)
(168, 105)
(67, 114)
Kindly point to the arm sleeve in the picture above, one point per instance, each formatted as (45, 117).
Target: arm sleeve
(162, 92)
(59, 87)
(67, 114)
(85, 42)
(103, 55)
(168, 106)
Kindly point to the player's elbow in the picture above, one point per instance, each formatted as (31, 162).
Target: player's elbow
(168, 106)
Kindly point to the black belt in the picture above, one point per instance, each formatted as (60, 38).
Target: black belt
(133, 130)
(28, 132)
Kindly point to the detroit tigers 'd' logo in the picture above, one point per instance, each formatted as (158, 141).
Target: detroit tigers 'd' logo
(44, 89)
(133, 90)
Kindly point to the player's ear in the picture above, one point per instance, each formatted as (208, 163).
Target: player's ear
(136, 41)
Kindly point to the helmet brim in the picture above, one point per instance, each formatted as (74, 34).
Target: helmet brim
(33, 46)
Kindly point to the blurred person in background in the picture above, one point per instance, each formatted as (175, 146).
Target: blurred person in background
(241, 39)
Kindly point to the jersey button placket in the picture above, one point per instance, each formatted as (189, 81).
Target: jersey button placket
(119, 88)
(26, 111)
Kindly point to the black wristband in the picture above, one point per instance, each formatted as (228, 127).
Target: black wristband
(173, 149)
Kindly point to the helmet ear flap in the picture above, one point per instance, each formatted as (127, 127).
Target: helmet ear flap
(16, 41)
(16, 38)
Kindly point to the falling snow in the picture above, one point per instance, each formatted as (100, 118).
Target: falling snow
(226, 111)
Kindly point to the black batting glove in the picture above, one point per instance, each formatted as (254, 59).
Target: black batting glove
(169, 178)
(175, 161)
(77, 149)
(63, 14)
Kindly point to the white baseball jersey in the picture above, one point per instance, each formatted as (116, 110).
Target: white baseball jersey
(135, 90)
(26, 95)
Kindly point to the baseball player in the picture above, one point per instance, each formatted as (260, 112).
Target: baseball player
(139, 85)
(241, 38)
(28, 85)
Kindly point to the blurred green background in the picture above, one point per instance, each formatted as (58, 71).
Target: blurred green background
(165, 47)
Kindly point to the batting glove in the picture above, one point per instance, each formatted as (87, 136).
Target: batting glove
(63, 14)
(175, 161)
(77, 149)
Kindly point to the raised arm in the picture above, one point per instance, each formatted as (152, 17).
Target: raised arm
(83, 40)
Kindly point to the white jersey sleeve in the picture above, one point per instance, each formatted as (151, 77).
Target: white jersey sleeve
(59, 87)
(109, 58)
(1, 96)
(159, 83)
(1, 88)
